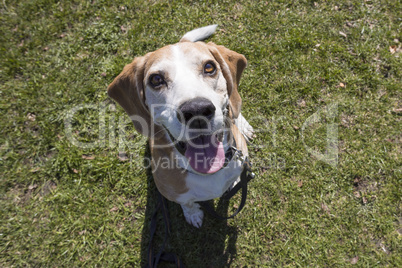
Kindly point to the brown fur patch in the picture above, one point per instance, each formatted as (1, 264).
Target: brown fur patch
(170, 179)
(236, 63)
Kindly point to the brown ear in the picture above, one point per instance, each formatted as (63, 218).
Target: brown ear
(128, 90)
(232, 65)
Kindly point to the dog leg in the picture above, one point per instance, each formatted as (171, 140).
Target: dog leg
(193, 214)
(245, 128)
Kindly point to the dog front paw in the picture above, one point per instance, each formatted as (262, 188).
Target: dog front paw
(245, 128)
(193, 214)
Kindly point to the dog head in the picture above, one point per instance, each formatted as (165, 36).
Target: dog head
(187, 89)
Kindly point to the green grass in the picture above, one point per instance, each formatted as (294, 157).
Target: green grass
(62, 205)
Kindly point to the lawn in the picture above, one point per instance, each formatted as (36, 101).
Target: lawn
(322, 88)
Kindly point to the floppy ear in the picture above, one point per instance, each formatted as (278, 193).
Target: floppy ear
(232, 65)
(128, 90)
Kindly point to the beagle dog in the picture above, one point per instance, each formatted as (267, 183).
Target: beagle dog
(184, 98)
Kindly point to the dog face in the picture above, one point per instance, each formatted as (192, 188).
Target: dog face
(185, 90)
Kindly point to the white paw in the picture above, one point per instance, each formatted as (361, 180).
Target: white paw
(193, 214)
(245, 128)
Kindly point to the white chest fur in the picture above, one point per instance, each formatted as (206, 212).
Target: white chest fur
(203, 188)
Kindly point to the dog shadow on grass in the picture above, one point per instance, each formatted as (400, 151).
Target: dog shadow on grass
(212, 245)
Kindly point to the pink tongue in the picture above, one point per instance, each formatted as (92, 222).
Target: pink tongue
(205, 154)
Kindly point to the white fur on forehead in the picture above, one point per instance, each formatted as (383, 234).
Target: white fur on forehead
(181, 65)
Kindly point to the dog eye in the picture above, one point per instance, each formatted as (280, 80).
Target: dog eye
(209, 68)
(156, 80)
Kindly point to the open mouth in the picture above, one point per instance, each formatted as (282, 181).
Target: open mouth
(205, 153)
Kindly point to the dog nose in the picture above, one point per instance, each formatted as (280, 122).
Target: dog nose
(198, 112)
